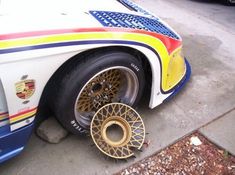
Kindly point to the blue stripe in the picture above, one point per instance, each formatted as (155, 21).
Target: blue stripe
(4, 119)
(75, 43)
(71, 43)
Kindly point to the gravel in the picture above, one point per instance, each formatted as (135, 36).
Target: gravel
(192, 155)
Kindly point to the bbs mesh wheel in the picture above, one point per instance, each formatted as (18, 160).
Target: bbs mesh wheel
(100, 79)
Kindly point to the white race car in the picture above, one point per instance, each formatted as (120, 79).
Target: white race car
(73, 57)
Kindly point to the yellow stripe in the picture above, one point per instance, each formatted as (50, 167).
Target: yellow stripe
(2, 117)
(23, 116)
(142, 38)
(56, 38)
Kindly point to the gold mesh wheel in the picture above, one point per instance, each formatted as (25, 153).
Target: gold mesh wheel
(116, 84)
(128, 120)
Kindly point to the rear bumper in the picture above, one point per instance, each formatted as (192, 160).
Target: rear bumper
(183, 82)
(13, 143)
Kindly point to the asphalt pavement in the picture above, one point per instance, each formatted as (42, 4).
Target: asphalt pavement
(207, 102)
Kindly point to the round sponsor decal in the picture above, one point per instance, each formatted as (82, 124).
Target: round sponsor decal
(25, 89)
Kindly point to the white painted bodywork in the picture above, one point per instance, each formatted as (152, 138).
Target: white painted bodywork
(37, 15)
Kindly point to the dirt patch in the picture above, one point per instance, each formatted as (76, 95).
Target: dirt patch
(193, 155)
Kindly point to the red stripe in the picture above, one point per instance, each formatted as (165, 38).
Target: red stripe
(47, 32)
(21, 113)
(29, 84)
(20, 94)
(170, 43)
(4, 113)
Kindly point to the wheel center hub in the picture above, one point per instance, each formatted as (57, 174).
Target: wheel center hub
(97, 88)
(116, 131)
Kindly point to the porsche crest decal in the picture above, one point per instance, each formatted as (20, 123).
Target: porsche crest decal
(25, 89)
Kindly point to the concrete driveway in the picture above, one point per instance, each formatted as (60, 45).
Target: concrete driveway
(208, 31)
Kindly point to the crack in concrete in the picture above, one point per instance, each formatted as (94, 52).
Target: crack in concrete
(217, 118)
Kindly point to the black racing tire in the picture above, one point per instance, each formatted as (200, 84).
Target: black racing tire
(74, 82)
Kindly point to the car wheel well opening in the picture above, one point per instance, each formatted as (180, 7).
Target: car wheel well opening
(45, 104)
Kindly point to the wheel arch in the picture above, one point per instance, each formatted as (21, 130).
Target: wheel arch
(45, 99)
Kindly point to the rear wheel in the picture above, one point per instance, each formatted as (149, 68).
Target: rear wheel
(94, 82)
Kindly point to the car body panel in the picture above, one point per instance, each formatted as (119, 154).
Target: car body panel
(13, 143)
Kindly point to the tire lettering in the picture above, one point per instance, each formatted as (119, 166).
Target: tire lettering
(77, 127)
(135, 67)
(72, 122)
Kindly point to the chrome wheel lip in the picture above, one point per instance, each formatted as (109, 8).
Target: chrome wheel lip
(129, 98)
